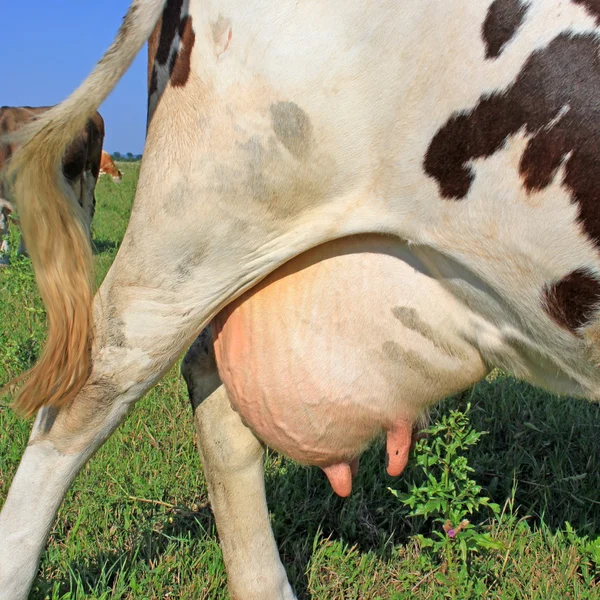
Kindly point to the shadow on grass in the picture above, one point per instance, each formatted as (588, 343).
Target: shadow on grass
(548, 446)
(109, 570)
(101, 246)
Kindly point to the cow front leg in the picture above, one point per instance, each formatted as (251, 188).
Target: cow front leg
(233, 466)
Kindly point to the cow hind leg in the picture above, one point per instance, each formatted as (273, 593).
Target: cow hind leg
(88, 197)
(22, 250)
(233, 466)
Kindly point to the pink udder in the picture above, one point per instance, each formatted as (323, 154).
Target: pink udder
(340, 477)
(301, 357)
(398, 445)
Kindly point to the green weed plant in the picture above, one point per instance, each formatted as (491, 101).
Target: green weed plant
(448, 497)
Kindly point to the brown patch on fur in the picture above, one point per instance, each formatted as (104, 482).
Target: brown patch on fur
(504, 17)
(465, 137)
(555, 99)
(592, 6)
(6, 126)
(160, 49)
(573, 301)
(180, 68)
(6, 149)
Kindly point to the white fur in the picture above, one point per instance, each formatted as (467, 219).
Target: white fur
(29, 512)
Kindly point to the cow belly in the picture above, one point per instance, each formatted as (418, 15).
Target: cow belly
(344, 342)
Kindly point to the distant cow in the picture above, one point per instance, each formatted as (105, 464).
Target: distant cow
(108, 167)
(6, 209)
(81, 161)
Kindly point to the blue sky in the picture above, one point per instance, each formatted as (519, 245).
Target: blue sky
(52, 45)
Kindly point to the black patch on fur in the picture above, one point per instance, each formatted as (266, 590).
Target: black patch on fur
(573, 301)
(169, 28)
(504, 17)
(180, 66)
(592, 6)
(555, 99)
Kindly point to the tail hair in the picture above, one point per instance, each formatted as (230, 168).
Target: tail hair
(52, 222)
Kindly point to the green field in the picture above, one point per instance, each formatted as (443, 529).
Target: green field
(137, 524)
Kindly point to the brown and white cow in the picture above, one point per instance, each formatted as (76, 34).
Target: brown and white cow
(6, 210)
(108, 167)
(81, 161)
(374, 203)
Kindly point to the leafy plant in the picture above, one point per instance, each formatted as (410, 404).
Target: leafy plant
(448, 495)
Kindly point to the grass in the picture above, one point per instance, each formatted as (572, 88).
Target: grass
(136, 524)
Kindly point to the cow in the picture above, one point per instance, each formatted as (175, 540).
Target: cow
(422, 173)
(6, 210)
(81, 161)
(108, 167)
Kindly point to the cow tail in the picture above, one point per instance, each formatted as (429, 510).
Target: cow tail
(53, 224)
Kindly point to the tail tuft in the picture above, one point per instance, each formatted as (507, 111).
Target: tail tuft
(52, 223)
